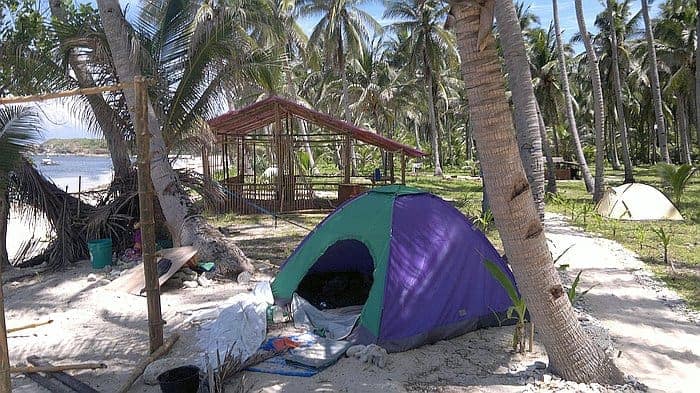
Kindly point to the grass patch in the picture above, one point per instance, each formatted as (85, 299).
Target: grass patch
(638, 236)
(572, 201)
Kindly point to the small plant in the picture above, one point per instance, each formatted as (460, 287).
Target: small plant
(484, 220)
(518, 306)
(641, 235)
(573, 293)
(676, 178)
(665, 238)
(584, 211)
(563, 266)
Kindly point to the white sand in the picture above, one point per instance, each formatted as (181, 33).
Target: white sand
(659, 344)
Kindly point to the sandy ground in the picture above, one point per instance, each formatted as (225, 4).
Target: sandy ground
(659, 343)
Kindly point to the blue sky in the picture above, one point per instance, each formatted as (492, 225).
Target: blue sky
(62, 127)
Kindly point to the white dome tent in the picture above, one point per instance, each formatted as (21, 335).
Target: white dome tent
(637, 202)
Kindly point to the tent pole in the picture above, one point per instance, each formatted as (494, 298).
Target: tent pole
(145, 187)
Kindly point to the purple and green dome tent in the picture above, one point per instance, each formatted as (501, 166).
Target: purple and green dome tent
(425, 259)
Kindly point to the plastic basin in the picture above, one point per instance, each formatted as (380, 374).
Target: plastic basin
(100, 252)
(183, 379)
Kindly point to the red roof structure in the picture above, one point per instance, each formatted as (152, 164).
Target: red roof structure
(263, 113)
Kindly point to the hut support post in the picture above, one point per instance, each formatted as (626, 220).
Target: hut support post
(347, 161)
(277, 130)
(403, 168)
(145, 187)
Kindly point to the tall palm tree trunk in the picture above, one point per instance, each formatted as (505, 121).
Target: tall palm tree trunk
(185, 226)
(619, 102)
(697, 72)
(578, 149)
(107, 118)
(551, 186)
(612, 141)
(527, 125)
(598, 107)
(4, 221)
(416, 129)
(661, 132)
(345, 100)
(434, 137)
(292, 92)
(683, 129)
(572, 354)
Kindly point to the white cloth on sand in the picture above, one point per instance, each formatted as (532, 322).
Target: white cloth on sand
(240, 325)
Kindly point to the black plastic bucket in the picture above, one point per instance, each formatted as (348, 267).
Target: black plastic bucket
(183, 379)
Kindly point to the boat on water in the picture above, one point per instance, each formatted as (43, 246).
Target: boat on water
(48, 161)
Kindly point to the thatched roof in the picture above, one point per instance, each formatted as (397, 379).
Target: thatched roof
(263, 113)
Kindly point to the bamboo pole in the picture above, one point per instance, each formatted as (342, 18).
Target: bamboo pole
(29, 326)
(141, 367)
(145, 187)
(80, 181)
(63, 94)
(55, 369)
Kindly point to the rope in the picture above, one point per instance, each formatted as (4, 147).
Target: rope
(262, 209)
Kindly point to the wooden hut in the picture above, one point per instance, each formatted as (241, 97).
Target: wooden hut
(278, 130)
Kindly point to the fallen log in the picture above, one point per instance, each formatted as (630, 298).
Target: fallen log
(55, 369)
(141, 366)
(66, 379)
(29, 326)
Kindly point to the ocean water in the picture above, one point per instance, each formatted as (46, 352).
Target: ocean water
(93, 171)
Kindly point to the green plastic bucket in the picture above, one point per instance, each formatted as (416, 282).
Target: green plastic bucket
(100, 252)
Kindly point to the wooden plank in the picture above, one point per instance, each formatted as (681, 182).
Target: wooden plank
(52, 385)
(67, 379)
(133, 281)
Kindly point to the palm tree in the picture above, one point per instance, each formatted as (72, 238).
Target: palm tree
(17, 132)
(655, 85)
(194, 57)
(598, 107)
(572, 354)
(110, 122)
(429, 46)
(527, 124)
(343, 28)
(674, 34)
(617, 88)
(587, 178)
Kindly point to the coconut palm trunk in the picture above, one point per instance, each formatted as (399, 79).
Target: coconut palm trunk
(527, 125)
(578, 149)
(619, 102)
(106, 116)
(598, 107)
(683, 129)
(434, 137)
(185, 226)
(292, 92)
(551, 186)
(572, 354)
(661, 133)
(697, 72)
(345, 99)
(4, 221)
